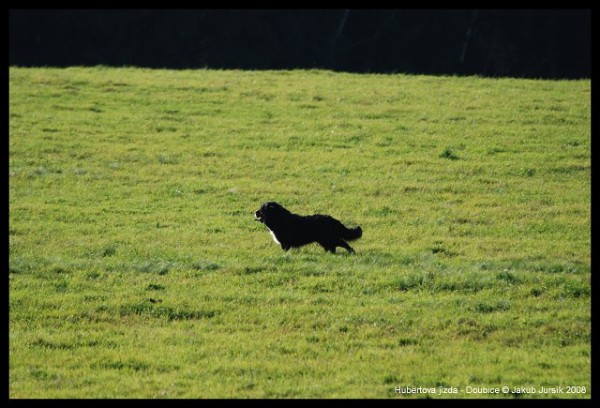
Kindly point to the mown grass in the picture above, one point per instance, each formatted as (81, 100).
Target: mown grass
(136, 268)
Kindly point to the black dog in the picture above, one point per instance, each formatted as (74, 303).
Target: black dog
(293, 230)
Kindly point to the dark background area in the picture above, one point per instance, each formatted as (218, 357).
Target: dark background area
(516, 43)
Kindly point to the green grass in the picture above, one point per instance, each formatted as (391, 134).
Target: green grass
(137, 270)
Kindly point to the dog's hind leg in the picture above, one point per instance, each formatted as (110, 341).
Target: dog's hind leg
(345, 246)
(328, 247)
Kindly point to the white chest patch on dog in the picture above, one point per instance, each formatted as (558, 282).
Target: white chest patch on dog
(274, 237)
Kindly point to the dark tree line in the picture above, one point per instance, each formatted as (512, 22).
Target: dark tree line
(519, 43)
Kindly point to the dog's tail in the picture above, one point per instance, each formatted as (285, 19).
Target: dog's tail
(352, 233)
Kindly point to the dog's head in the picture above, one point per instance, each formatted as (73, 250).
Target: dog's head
(269, 212)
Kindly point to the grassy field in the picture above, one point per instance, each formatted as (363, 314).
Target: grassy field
(137, 270)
